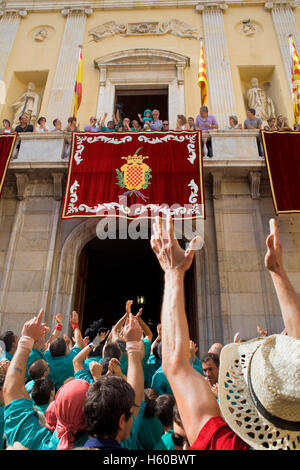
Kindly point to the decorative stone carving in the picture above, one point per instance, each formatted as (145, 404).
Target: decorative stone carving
(67, 11)
(28, 103)
(175, 27)
(41, 35)
(254, 180)
(282, 3)
(211, 6)
(22, 182)
(258, 99)
(248, 28)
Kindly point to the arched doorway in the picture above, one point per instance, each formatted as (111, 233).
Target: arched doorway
(113, 271)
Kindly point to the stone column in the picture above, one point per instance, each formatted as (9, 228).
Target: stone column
(284, 24)
(61, 98)
(9, 23)
(221, 93)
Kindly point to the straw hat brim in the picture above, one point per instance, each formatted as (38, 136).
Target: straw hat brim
(237, 407)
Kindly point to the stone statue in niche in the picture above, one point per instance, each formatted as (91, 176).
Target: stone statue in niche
(258, 99)
(41, 35)
(28, 103)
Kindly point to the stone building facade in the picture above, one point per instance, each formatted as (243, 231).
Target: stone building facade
(130, 49)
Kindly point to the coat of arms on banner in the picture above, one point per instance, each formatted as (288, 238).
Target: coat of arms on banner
(134, 175)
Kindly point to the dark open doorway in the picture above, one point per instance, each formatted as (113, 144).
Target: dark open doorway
(136, 100)
(113, 271)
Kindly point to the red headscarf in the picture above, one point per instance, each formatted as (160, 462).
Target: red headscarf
(69, 403)
(50, 417)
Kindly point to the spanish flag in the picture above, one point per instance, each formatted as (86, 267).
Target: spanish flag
(78, 86)
(202, 78)
(295, 75)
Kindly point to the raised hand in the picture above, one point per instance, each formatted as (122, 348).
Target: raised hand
(273, 258)
(167, 249)
(95, 369)
(58, 318)
(128, 306)
(114, 368)
(262, 332)
(74, 317)
(132, 330)
(34, 327)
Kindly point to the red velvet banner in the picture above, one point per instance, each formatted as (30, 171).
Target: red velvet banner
(282, 154)
(140, 174)
(7, 142)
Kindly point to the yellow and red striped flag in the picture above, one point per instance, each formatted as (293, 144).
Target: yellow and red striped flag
(78, 86)
(202, 77)
(295, 75)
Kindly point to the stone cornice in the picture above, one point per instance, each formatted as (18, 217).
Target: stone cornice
(282, 3)
(199, 6)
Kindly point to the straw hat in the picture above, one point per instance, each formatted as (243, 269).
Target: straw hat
(259, 391)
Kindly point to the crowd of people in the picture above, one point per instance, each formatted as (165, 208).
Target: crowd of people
(149, 121)
(121, 388)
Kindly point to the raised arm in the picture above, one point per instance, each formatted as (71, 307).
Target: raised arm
(77, 338)
(158, 338)
(201, 404)
(56, 332)
(146, 330)
(135, 351)
(13, 387)
(288, 300)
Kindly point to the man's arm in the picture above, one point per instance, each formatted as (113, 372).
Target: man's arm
(15, 377)
(135, 351)
(201, 404)
(77, 338)
(158, 338)
(56, 332)
(287, 297)
(146, 330)
(80, 358)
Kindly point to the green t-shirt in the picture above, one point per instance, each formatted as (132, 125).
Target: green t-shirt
(160, 382)
(86, 363)
(165, 442)
(22, 425)
(2, 437)
(131, 443)
(151, 430)
(41, 408)
(84, 374)
(61, 367)
(153, 364)
(147, 346)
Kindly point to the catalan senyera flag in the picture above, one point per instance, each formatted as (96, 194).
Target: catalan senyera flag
(78, 86)
(202, 77)
(295, 75)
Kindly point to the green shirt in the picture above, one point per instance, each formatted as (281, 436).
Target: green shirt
(61, 367)
(84, 374)
(86, 363)
(165, 442)
(131, 443)
(153, 364)
(160, 382)
(22, 425)
(2, 437)
(151, 430)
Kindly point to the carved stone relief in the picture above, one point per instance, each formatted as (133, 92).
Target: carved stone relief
(175, 27)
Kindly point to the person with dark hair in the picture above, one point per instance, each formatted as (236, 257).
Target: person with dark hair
(42, 125)
(38, 369)
(112, 350)
(164, 405)
(24, 125)
(57, 126)
(61, 362)
(253, 122)
(11, 341)
(6, 129)
(95, 354)
(151, 428)
(42, 393)
(210, 364)
(179, 436)
(72, 125)
(113, 407)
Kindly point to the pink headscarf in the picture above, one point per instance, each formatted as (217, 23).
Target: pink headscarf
(69, 403)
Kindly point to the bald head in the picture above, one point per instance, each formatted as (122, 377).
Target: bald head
(215, 348)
